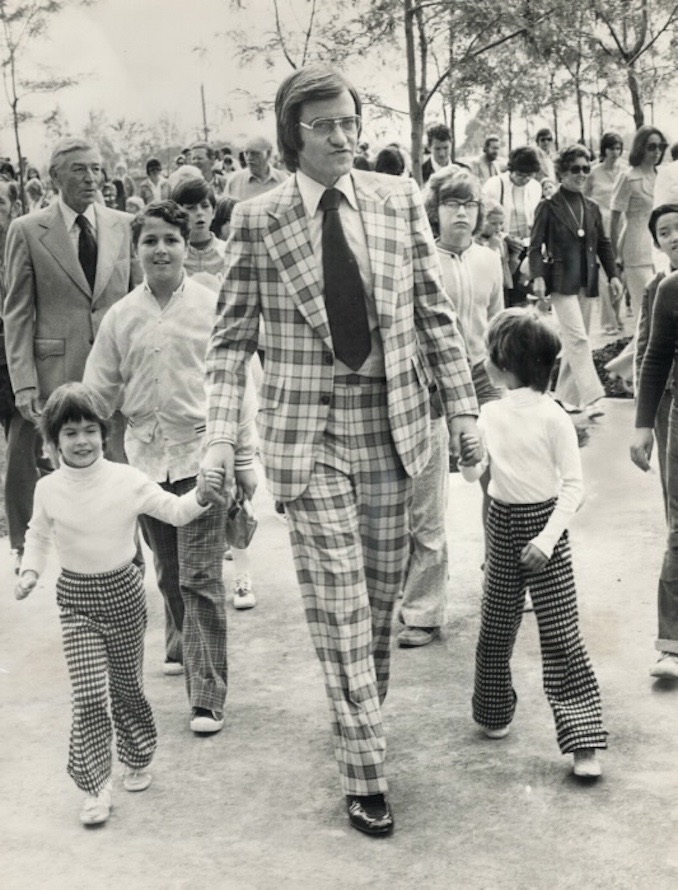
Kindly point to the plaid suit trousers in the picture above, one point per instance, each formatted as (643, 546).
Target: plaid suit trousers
(349, 540)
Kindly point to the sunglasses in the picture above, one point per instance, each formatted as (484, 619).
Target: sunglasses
(656, 146)
(580, 168)
(546, 138)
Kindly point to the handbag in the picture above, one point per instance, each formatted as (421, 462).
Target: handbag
(241, 523)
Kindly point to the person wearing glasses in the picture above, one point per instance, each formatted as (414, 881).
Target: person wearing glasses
(544, 141)
(342, 267)
(631, 205)
(568, 238)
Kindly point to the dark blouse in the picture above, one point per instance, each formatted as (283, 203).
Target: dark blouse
(660, 352)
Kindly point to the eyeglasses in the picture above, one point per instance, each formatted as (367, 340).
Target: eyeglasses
(546, 139)
(454, 204)
(656, 146)
(325, 126)
(581, 168)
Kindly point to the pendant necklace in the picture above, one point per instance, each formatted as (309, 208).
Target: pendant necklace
(579, 222)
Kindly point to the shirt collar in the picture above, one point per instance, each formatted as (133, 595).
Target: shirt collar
(312, 191)
(70, 215)
(263, 179)
(177, 293)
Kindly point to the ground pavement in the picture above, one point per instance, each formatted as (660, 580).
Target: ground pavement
(259, 805)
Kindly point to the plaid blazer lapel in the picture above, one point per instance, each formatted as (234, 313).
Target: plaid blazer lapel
(384, 231)
(289, 247)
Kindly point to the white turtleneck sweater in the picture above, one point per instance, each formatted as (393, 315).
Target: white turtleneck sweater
(92, 514)
(532, 450)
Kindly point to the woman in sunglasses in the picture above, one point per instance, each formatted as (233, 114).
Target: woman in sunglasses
(631, 205)
(568, 238)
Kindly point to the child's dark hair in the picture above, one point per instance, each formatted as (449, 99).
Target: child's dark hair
(222, 215)
(655, 216)
(72, 402)
(193, 191)
(169, 211)
(524, 343)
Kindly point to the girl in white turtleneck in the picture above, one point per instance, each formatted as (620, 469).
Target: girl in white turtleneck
(90, 506)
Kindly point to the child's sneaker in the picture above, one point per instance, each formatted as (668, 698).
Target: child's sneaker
(204, 721)
(243, 598)
(666, 667)
(499, 733)
(586, 763)
(97, 807)
(136, 779)
(172, 668)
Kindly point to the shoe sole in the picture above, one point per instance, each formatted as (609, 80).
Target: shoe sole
(141, 786)
(205, 726)
(385, 832)
(171, 671)
(659, 674)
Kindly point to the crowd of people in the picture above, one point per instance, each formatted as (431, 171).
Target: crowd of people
(321, 314)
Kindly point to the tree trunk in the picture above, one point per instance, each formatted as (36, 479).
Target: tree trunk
(509, 127)
(636, 98)
(453, 128)
(556, 124)
(580, 113)
(415, 106)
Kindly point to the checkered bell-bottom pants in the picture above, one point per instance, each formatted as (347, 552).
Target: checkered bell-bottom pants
(349, 541)
(189, 570)
(569, 681)
(103, 619)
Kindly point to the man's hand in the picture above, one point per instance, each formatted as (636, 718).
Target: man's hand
(28, 404)
(532, 558)
(462, 423)
(28, 581)
(217, 457)
(245, 484)
(471, 450)
(641, 448)
(617, 288)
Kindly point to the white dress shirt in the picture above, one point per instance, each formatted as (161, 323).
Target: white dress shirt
(72, 227)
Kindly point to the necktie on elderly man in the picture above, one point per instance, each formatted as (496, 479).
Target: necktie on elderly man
(344, 291)
(87, 250)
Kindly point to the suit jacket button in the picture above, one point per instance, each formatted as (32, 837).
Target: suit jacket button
(329, 359)
(325, 400)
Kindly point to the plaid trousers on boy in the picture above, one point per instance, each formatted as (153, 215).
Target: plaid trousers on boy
(189, 571)
(349, 541)
(103, 620)
(569, 681)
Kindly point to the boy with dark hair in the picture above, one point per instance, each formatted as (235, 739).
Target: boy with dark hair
(530, 446)
(149, 358)
(205, 253)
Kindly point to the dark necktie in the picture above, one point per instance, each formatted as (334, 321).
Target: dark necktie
(87, 250)
(344, 291)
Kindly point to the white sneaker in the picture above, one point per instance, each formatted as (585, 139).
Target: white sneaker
(586, 763)
(97, 807)
(499, 733)
(136, 779)
(666, 668)
(243, 598)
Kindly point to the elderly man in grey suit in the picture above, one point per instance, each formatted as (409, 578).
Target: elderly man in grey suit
(65, 266)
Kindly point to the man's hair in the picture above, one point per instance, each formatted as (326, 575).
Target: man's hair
(544, 132)
(152, 164)
(168, 211)
(450, 183)
(389, 160)
(642, 137)
(12, 188)
(567, 156)
(34, 188)
(222, 215)
(65, 147)
(658, 212)
(524, 343)
(492, 138)
(523, 160)
(360, 162)
(311, 84)
(208, 149)
(441, 132)
(266, 143)
(193, 191)
(72, 402)
(674, 151)
(490, 206)
(609, 140)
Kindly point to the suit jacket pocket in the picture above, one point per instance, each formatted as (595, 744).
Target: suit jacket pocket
(424, 375)
(44, 348)
(271, 395)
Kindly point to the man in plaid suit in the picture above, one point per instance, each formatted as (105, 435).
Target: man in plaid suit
(342, 431)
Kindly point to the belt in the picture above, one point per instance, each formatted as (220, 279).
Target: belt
(359, 380)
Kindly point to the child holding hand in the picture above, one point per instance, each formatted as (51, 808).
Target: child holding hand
(90, 506)
(530, 446)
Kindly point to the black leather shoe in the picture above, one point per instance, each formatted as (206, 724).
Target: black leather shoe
(376, 821)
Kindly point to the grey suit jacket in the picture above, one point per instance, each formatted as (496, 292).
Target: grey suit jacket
(50, 315)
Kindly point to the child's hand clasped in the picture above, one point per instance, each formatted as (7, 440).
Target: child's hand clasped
(211, 486)
(471, 449)
(25, 585)
(533, 559)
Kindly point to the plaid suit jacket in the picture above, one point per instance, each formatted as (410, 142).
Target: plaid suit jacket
(273, 273)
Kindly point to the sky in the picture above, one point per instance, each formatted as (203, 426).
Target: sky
(137, 59)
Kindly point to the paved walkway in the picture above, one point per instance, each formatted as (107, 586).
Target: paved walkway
(259, 805)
